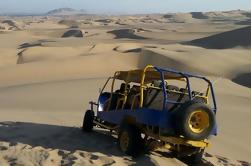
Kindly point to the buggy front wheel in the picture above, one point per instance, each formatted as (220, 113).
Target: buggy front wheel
(88, 121)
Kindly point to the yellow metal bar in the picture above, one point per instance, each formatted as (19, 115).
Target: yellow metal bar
(180, 141)
(112, 88)
(207, 94)
(142, 84)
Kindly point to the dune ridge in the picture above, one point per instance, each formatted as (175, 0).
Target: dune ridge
(238, 37)
(243, 79)
(125, 33)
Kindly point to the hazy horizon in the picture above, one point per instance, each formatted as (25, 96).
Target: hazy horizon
(122, 7)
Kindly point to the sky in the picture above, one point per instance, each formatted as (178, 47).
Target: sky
(123, 6)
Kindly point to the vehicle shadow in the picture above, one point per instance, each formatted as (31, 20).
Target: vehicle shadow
(53, 136)
(64, 138)
(72, 139)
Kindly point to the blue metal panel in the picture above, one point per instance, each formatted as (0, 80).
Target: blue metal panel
(143, 116)
(162, 119)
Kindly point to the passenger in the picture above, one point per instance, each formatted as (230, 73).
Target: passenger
(119, 96)
(123, 88)
(132, 100)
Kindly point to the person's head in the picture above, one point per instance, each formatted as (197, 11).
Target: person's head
(124, 87)
(128, 87)
(156, 83)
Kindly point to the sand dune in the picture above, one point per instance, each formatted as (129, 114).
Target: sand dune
(69, 23)
(239, 37)
(199, 15)
(194, 17)
(246, 22)
(47, 81)
(9, 25)
(104, 21)
(73, 33)
(128, 48)
(71, 145)
(125, 33)
(243, 79)
(247, 14)
(9, 22)
(33, 44)
(227, 15)
(43, 25)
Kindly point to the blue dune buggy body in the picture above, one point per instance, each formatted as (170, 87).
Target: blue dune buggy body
(162, 118)
(156, 106)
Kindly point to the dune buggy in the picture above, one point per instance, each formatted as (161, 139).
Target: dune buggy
(156, 106)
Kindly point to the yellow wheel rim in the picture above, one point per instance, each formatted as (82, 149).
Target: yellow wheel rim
(124, 141)
(198, 121)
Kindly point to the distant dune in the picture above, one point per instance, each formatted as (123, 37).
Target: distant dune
(73, 33)
(104, 20)
(9, 22)
(69, 23)
(243, 79)
(219, 16)
(9, 25)
(247, 14)
(125, 33)
(238, 37)
(179, 17)
(64, 12)
(199, 15)
(245, 22)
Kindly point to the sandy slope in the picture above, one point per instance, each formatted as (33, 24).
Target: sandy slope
(44, 96)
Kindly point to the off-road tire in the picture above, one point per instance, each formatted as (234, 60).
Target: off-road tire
(88, 121)
(182, 120)
(134, 139)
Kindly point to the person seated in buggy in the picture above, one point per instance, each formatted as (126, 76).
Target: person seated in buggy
(110, 102)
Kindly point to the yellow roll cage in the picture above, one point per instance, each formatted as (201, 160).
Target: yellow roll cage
(144, 77)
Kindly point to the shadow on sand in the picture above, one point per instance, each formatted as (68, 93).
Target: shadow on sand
(69, 139)
(243, 79)
(238, 37)
(65, 138)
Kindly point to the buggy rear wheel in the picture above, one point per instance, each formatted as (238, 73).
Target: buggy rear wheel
(198, 121)
(88, 121)
(195, 121)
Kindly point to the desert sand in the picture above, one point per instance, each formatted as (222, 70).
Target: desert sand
(51, 67)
